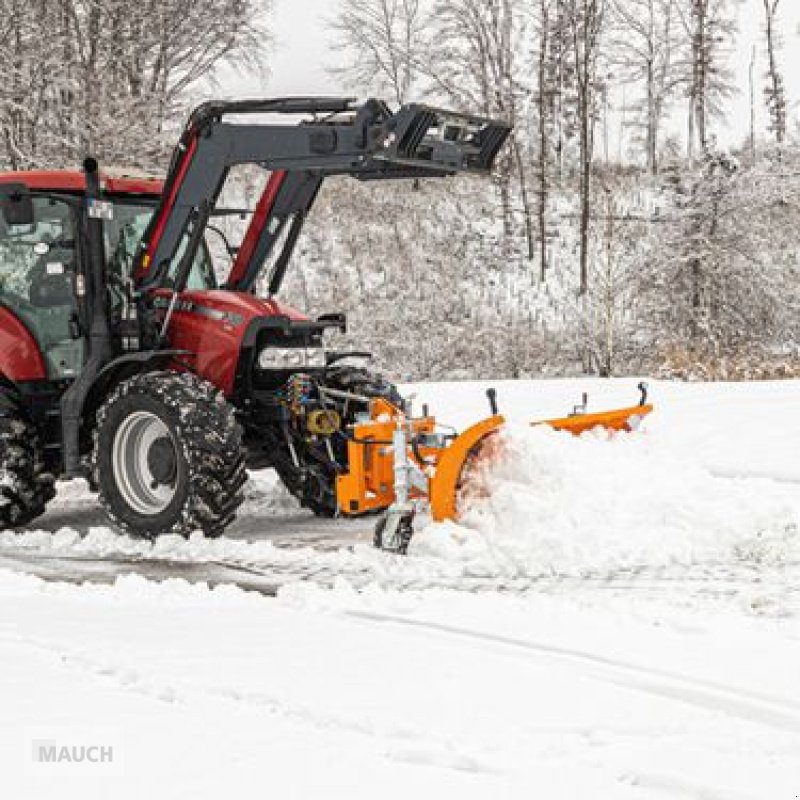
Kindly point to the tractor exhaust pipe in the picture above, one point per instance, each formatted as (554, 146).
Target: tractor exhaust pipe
(96, 316)
(96, 211)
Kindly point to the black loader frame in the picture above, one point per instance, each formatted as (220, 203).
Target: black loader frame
(366, 142)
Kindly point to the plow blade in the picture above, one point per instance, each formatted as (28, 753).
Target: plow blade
(447, 483)
(458, 471)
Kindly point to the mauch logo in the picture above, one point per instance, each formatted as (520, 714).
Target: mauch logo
(49, 751)
(79, 750)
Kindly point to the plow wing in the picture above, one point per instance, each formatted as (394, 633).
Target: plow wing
(395, 460)
(622, 419)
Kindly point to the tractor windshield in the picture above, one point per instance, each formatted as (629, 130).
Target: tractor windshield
(125, 231)
(37, 282)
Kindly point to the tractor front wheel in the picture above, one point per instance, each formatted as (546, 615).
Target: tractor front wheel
(168, 456)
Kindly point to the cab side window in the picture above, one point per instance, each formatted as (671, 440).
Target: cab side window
(37, 282)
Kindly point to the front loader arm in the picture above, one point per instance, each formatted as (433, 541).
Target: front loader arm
(285, 203)
(366, 142)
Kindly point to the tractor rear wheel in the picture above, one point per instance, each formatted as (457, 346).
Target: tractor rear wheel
(25, 487)
(168, 456)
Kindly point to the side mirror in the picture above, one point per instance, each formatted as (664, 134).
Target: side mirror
(16, 205)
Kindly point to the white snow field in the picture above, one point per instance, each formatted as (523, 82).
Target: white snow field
(620, 619)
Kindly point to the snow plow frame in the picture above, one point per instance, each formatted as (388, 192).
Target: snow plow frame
(395, 459)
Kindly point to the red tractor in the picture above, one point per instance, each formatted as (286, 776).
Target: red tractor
(124, 360)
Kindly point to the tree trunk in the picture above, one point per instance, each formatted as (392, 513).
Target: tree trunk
(530, 237)
(609, 311)
(776, 100)
(700, 66)
(652, 121)
(543, 140)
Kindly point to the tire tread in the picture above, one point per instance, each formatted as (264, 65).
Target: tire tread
(25, 486)
(211, 443)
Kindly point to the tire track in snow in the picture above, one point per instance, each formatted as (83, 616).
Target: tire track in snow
(740, 703)
(680, 788)
(733, 473)
(397, 741)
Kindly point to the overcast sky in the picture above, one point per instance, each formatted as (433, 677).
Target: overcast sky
(302, 53)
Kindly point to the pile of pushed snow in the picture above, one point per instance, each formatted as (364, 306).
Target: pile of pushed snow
(566, 505)
(103, 542)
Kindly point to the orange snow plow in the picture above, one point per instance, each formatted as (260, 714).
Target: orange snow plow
(396, 460)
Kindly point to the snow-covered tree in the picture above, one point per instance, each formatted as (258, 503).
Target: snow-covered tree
(585, 21)
(722, 269)
(109, 76)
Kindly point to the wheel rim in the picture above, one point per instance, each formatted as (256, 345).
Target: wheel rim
(140, 435)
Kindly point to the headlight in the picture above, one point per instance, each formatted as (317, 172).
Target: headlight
(291, 357)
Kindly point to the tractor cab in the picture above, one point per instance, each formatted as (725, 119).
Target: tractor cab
(43, 274)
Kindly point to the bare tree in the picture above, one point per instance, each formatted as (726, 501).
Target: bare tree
(643, 48)
(559, 79)
(553, 110)
(711, 29)
(609, 291)
(775, 92)
(382, 42)
(472, 63)
(751, 74)
(586, 19)
(545, 97)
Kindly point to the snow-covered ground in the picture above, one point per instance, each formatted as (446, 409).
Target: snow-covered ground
(621, 619)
